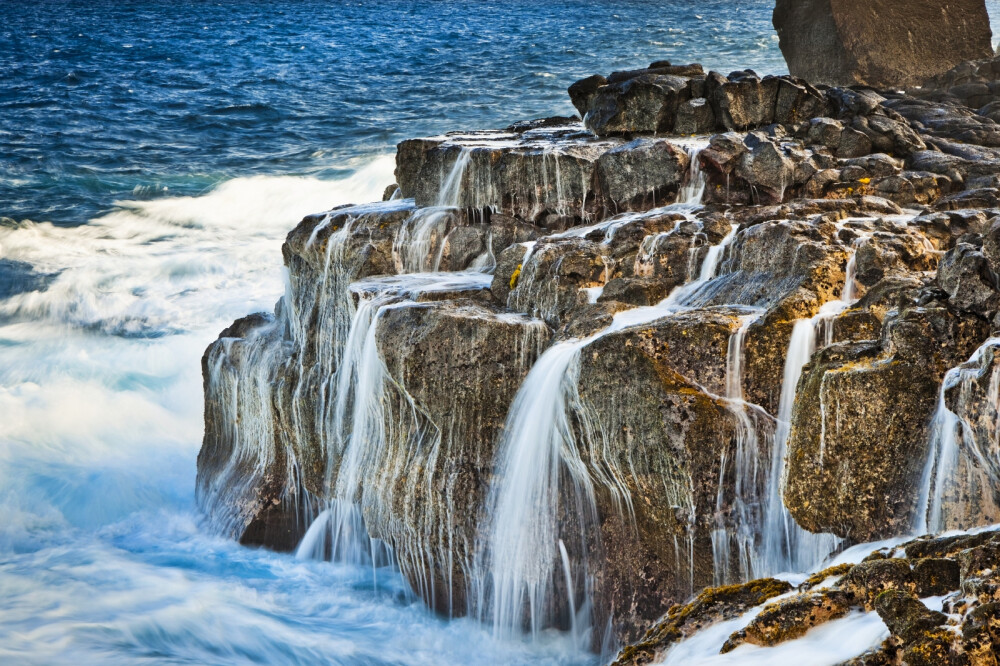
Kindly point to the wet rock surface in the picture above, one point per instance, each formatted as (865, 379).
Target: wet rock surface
(776, 334)
(963, 632)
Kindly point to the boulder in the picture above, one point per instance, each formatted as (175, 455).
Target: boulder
(880, 43)
(790, 619)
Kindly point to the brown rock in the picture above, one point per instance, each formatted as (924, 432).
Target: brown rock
(881, 43)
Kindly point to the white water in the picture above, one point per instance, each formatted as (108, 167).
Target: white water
(738, 530)
(103, 558)
(950, 436)
(421, 242)
(540, 468)
(828, 644)
(788, 547)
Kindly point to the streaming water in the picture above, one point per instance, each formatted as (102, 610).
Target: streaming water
(951, 437)
(539, 454)
(163, 156)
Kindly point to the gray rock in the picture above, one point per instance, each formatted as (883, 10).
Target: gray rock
(880, 43)
(695, 116)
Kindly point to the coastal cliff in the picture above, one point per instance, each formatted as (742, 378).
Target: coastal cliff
(570, 374)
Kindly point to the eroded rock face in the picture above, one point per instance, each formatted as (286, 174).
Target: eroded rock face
(880, 44)
(690, 381)
(874, 494)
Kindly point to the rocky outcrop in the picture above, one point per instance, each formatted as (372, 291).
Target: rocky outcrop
(568, 376)
(882, 43)
(896, 588)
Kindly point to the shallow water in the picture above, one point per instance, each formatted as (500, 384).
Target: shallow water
(164, 149)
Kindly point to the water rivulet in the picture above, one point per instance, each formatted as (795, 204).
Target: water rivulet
(565, 378)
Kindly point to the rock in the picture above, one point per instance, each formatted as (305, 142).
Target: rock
(583, 92)
(984, 198)
(825, 132)
(879, 44)
(634, 291)
(640, 175)
(969, 280)
(853, 143)
(936, 576)
(455, 368)
(790, 619)
(646, 103)
(526, 178)
(695, 116)
(905, 616)
(868, 580)
(710, 606)
(747, 102)
(981, 635)
(797, 102)
(875, 497)
(550, 281)
(490, 170)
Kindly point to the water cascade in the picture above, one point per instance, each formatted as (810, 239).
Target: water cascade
(420, 244)
(737, 530)
(788, 547)
(540, 468)
(941, 485)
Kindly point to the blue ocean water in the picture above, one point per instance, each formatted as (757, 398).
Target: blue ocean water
(152, 157)
(105, 99)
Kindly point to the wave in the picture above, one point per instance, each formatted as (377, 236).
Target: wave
(168, 265)
(100, 387)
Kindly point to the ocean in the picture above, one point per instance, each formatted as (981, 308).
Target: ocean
(153, 155)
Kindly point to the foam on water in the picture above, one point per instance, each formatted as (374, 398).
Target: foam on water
(102, 557)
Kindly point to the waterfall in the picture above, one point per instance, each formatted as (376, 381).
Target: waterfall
(739, 531)
(420, 244)
(539, 465)
(240, 372)
(788, 547)
(950, 435)
(693, 191)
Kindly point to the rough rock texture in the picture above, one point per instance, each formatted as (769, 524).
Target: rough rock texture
(880, 43)
(790, 619)
(710, 606)
(966, 633)
(861, 225)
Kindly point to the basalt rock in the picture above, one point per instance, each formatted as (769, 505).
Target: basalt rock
(880, 44)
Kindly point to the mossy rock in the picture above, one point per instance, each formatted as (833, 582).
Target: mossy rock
(869, 579)
(906, 616)
(712, 605)
(936, 576)
(790, 619)
(981, 635)
(838, 570)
